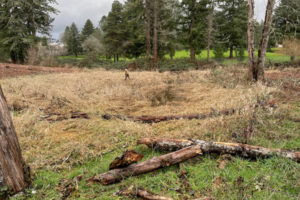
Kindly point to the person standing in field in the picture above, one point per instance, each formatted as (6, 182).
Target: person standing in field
(126, 74)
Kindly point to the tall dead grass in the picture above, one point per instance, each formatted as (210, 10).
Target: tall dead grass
(63, 143)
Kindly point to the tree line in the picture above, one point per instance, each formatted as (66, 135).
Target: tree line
(153, 29)
(148, 29)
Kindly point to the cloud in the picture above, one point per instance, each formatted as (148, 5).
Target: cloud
(79, 11)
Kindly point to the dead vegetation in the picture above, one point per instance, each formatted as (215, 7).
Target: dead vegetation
(60, 144)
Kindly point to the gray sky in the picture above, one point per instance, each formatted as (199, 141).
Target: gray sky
(79, 11)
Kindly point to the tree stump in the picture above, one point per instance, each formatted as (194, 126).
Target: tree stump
(14, 174)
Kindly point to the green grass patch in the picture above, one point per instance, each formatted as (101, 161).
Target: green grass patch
(273, 178)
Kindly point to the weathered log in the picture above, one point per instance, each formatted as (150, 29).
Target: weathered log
(14, 174)
(55, 117)
(156, 119)
(126, 159)
(150, 165)
(243, 150)
(214, 113)
(138, 192)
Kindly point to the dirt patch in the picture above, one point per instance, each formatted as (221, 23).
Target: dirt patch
(13, 70)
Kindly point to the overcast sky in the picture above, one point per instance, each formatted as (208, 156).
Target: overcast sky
(79, 11)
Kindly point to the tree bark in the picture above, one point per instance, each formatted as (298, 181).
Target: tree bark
(155, 10)
(14, 174)
(167, 160)
(243, 150)
(148, 27)
(259, 67)
(250, 32)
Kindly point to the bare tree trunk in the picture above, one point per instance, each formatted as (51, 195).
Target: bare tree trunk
(148, 27)
(259, 67)
(14, 174)
(192, 54)
(155, 31)
(155, 163)
(251, 50)
(243, 150)
(210, 29)
(231, 53)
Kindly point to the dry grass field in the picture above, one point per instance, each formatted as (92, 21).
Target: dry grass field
(52, 142)
(97, 92)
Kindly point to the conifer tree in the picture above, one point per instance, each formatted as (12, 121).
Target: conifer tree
(232, 21)
(20, 21)
(87, 30)
(113, 28)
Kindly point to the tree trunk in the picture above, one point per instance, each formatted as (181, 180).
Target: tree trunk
(192, 54)
(155, 31)
(251, 50)
(259, 67)
(243, 150)
(114, 58)
(231, 53)
(155, 163)
(148, 27)
(14, 174)
(209, 31)
(117, 58)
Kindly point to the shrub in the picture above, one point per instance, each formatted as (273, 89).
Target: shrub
(161, 96)
(44, 55)
(291, 47)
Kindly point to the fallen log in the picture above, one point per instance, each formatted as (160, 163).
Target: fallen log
(55, 117)
(243, 150)
(116, 175)
(126, 159)
(138, 192)
(214, 113)
(156, 119)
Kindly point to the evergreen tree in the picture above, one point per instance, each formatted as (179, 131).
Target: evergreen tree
(87, 30)
(20, 21)
(72, 39)
(193, 25)
(168, 14)
(134, 19)
(113, 28)
(232, 24)
(286, 19)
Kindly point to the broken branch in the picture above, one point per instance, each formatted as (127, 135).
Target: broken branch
(150, 165)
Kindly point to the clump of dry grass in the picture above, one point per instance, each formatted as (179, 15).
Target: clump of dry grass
(63, 143)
